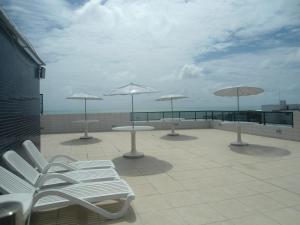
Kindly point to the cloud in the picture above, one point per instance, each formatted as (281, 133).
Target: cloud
(294, 56)
(96, 45)
(189, 71)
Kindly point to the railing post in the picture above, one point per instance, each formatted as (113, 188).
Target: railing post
(195, 115)
(147, 116)
(212, 115)
(260, 120)
(222, 116)
(264, 118)
(205, 115)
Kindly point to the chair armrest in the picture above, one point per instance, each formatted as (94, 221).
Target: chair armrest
(67, 167)
(64, 157)
(45, 177)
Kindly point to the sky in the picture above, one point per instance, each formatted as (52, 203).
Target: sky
(189, 47)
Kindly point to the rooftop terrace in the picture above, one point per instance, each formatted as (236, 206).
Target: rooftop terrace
(196, 178)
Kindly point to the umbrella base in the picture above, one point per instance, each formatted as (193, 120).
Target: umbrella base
(133, 155)
(173, 134)
(239, 143)
(86, 137)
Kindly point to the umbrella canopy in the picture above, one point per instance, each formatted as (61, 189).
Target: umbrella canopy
(83, 96)
(131, 89)
(170, 97)
(239, 91)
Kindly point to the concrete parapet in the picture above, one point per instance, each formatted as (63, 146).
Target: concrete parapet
(276, 131)
(64, 123)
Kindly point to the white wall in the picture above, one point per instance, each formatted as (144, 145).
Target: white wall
(64, 124)
(284, 132)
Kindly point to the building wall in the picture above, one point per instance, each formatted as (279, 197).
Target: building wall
(19, 95)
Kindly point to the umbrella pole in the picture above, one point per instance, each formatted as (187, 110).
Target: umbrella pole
(85, 121)
(84, 109)
(173, 125)
(172, 107)
(132, 111)
(239, 138)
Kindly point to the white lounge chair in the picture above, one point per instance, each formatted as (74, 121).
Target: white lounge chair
(67, 164)
(25, 199)
(20, 166)
(84, 194)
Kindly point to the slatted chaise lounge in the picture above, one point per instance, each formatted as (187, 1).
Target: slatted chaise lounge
(22, 168)
(25, 199)
(67, 164)
(84, 194)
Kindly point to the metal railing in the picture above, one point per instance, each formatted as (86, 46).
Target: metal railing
(278, 118)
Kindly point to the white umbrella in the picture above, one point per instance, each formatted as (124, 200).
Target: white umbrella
(85, 97)
(131, 89)
(171, 98)
(237, 92)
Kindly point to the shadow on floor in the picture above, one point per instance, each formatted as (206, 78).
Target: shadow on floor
(79, 141)
(260, 150)
(129, 217)
(147, 165)
(180, 137)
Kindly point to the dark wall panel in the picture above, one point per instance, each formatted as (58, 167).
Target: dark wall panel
(19, 95)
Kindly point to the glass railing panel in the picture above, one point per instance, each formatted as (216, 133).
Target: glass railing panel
(175, 114)
(201, 115)
(140, 116)
(282, 118)
(229, 116)
(217, 115)
(155, 116)
(188, 115)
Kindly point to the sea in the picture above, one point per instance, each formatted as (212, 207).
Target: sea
(145, 109)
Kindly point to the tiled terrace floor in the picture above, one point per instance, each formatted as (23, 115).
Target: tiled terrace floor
(193, 179)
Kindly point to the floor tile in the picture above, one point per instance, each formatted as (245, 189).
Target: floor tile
(256, 219)
(261, 202)
(165, 217)
(199, 214)
(183, 198)
(231, 208)
(287, 216)
(150, 203)
(285, 197)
